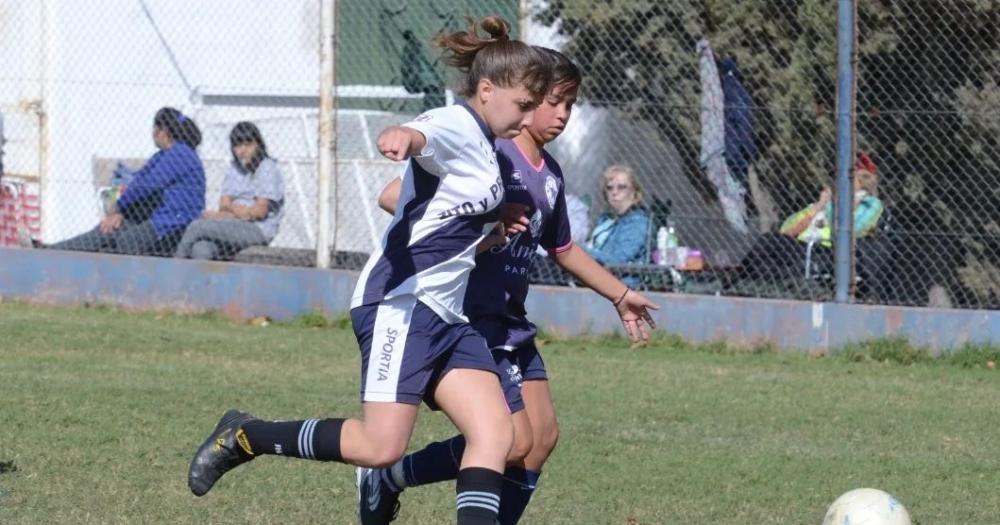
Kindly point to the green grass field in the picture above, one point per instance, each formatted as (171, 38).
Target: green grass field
(101, 410)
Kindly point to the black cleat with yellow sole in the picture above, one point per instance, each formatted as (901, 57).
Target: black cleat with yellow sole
(224, 450)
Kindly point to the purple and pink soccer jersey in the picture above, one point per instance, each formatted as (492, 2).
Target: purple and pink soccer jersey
(498, 312)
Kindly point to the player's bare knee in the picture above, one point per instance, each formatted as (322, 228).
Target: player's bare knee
(523, 443)
(387, 457)
(547, 438)
(498, 435)
(383, 451)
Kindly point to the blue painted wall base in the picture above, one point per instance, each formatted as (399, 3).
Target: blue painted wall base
(247, 291)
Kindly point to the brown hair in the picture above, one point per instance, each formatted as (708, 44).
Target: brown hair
(632, 179)
(505, 62)
(564, 70)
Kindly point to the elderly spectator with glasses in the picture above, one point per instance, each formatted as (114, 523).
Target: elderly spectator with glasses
(620, 235)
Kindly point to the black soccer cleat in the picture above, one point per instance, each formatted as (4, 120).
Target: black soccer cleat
(377, 505)
(224, 450)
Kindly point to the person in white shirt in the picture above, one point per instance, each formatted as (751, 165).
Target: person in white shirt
(415, 339)
(251, 206)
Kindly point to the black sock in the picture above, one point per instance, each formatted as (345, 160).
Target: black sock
(310, 439)
(518, 485)
(477, 497)
(436, 462)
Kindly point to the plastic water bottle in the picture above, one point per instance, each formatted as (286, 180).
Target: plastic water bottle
(661, 245)
(671, 242)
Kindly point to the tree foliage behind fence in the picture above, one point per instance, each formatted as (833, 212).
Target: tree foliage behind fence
(928, 114)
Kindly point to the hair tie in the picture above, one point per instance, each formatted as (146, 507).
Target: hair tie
(180, 117)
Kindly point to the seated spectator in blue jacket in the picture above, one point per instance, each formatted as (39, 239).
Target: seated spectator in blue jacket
(251, 206)
(161, 199)
(621, 233)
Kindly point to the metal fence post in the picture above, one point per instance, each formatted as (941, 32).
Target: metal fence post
(327, 130)
(845, 150)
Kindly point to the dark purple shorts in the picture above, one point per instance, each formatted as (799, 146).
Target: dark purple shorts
(517, 358)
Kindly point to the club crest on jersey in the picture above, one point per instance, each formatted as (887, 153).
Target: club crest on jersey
(491, 154)
(536, 223)
(551, 190)
(515, 177)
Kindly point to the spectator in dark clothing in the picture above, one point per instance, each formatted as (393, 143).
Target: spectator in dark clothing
(161, 199)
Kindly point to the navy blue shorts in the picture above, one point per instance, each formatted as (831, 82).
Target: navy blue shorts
(516, 356)
(413, 349)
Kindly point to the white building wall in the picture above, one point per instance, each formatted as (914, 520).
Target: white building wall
(105, 71)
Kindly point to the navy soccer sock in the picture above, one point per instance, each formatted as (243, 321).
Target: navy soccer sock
(436, 462)
(317, 439)
(477, 496)
(518, 486)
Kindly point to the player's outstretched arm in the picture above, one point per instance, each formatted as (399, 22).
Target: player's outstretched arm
(633, 308)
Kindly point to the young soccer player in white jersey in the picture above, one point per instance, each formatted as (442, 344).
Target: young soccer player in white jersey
(407, 310)
(495, 305)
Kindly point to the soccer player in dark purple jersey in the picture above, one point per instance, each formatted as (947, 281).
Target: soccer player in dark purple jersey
(535, 192)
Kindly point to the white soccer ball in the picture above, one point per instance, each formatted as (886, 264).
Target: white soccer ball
(867, 507)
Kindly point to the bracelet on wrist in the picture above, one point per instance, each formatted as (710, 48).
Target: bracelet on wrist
(622, 298)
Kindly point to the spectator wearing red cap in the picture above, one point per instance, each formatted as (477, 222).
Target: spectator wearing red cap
(813, 223)
(783, 253)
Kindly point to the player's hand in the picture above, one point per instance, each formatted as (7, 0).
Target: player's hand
(825, 196)
(493, 239)
(514, 218)
(394, 143)
(111, 223)
(209, 214)
(634, 312)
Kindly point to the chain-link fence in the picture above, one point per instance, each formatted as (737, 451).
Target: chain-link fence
(743, 183)
(725, 110)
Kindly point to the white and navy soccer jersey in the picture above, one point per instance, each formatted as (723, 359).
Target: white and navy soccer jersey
(448, 203)
(407, 310)
(498, 312)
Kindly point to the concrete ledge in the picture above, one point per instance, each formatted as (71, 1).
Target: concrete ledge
(245, 291)
(239, 290)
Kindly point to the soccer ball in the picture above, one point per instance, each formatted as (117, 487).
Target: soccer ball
(866, 507)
